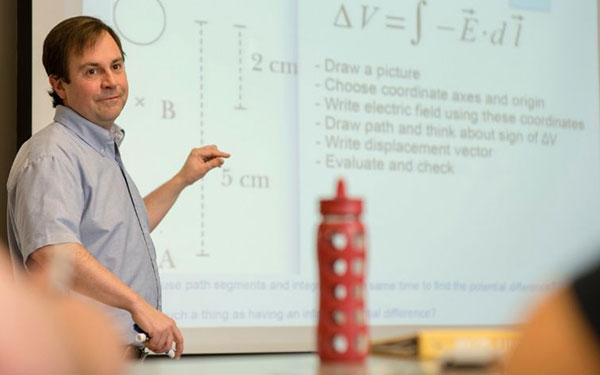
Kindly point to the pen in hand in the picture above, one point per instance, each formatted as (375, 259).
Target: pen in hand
(143, 337)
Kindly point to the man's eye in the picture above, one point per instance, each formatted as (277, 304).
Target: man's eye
(116, 66)
(91, 72)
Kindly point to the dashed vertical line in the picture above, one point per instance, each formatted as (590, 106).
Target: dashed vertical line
(202, 252)
(240, 50)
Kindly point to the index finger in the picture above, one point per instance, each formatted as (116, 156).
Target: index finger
(178, 342)
(212, 152)
(216, 154)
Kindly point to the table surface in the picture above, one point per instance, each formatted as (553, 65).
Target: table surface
(291, 364)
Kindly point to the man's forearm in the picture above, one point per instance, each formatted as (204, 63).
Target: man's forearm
(90, 277)
(160, 201)
(199, 162)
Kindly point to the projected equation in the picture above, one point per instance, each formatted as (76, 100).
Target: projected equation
(469, 29)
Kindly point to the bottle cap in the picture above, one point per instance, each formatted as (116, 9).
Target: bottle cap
(341, 205)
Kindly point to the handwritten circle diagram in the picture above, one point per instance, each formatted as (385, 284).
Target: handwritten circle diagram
(140, 22)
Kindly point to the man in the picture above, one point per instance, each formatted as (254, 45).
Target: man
(68, 190)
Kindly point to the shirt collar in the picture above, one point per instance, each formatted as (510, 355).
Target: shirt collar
(96, 136)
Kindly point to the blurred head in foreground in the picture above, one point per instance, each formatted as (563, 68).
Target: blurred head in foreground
(562, 335)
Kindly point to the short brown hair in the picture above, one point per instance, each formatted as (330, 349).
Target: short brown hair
(71, 36)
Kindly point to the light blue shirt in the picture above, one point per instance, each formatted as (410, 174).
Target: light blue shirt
(68, 184)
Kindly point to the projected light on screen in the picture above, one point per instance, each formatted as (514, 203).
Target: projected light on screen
(470, 130)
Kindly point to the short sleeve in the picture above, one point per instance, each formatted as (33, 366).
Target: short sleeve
(587, 292)
(48, 204)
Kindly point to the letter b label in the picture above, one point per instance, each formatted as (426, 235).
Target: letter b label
(168, 110)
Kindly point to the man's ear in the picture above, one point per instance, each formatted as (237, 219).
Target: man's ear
(58, 86)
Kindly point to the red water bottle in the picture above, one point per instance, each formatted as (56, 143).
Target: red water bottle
(342, 334)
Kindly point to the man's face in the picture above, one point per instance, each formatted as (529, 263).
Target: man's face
(98, 89)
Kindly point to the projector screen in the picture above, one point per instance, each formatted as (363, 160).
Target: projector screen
(470, 129)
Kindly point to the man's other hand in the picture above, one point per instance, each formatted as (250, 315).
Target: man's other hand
(162, 330)
(200, 161)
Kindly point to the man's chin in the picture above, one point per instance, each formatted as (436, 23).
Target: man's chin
(109, 115)
(115, 105)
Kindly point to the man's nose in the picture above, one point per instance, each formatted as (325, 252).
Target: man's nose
(108, 80)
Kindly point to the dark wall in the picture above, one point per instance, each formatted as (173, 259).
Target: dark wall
(8, 99)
